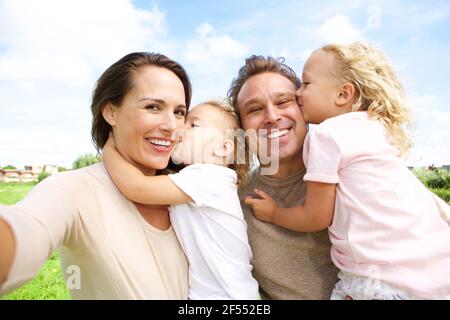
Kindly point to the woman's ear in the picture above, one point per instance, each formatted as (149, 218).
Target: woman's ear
(109, 113)
(346, 94)
(225, 149)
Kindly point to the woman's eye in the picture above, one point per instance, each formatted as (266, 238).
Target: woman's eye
(194, 125)
(304, 83)
(153, 107)
(180, 113)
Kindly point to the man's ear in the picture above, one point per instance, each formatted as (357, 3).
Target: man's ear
(225, 149)
(109, 113)
(346, 94)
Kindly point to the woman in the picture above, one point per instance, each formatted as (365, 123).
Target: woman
(121, 250)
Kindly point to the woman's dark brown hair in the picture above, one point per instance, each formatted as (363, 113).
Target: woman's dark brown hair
(117, 81)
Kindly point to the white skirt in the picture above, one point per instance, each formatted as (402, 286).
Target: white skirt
(363, 288)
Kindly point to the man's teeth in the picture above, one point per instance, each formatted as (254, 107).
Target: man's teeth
(277, 134)
(164, 143)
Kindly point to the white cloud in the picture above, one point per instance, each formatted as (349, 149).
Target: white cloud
(212, 60)
(67, 41)
(431, 136)
(338, 29)
(51, 54)
(204, 30)
(209, 51)
(284, 52)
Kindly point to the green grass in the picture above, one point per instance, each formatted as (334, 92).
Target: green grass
(49, 283)
(438, 181)
(12, 192)
(444, 194)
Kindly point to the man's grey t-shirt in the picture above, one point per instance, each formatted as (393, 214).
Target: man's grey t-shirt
(287, 264)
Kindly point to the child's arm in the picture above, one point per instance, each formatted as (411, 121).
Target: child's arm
(315, 215)
(135, 185)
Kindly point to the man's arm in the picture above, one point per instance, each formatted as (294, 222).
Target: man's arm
(135, 185)
(315, 215)
(7, 250)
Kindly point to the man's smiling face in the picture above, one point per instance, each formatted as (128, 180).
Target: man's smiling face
(267, 101)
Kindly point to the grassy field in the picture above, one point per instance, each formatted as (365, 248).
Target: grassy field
(49, 283)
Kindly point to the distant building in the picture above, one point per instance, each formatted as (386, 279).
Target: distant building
(34, 168)
(30, 173)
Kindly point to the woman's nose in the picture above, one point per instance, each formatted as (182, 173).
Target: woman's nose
(169, 122)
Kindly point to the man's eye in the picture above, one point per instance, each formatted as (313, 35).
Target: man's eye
(256, 109)
(305, 83)
(285, 101)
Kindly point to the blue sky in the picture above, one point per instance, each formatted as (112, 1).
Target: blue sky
(52, 51)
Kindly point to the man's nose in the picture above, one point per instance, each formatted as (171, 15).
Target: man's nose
(271, 115)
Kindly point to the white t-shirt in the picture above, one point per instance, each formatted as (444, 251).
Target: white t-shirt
(213, 234)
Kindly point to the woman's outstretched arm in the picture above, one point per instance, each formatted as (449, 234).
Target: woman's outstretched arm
(135, 185)
(7, 249)
(32, 229)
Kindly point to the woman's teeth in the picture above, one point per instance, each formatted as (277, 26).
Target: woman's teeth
(277, 134)
(157, 142)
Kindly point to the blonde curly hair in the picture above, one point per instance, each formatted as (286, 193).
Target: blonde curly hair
(379, 91)
(241, 166)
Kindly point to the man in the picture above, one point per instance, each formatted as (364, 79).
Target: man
(287, 264)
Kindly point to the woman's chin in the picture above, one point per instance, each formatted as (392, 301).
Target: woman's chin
(155, 164)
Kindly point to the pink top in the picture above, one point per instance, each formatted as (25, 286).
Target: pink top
(386, 224)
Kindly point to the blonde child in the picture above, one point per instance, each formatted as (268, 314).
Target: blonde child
(204, 206)
(388, 238)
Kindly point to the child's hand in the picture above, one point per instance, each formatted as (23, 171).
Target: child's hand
(264, 208)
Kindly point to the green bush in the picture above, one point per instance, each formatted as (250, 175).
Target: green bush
(42, 176)
(85, 160)
(434, 179)
(9, 167)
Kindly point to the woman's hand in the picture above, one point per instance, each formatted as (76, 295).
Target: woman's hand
(264, 208)
(7, 249)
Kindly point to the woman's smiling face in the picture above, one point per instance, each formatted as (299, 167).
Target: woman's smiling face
(144, 126)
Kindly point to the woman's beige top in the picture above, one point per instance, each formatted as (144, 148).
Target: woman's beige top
(108, 250)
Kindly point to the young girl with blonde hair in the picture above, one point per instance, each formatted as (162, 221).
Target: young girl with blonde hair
(204, 206)
(388, 237)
